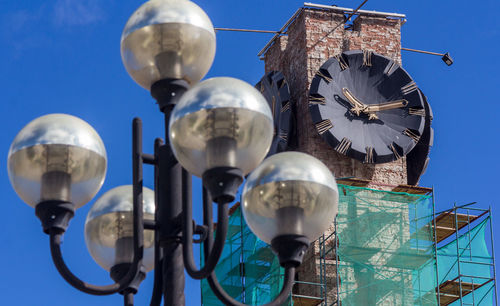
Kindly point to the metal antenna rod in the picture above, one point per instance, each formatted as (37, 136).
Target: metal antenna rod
(247, 30)
(445, 56)
(421, 51)
(279, 32)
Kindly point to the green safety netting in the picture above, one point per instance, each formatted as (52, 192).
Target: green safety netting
(248, 270)
(385, 248)
(475, 264)
(386, 255)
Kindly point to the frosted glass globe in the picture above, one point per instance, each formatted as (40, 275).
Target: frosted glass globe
(290, 193)
(57, 157)
(168, 39)
(109, 228)
(221, 122)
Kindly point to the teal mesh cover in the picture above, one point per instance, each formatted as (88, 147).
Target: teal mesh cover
(475, 261)
(386, 252)
(248, 270)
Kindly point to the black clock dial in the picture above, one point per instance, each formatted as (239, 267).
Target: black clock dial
(275, 89)
(418, 159)
(367, 107)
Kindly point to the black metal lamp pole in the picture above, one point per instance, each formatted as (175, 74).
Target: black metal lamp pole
(219, 130)
(169, 191)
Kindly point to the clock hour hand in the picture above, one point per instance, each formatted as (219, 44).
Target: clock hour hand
(358, 106)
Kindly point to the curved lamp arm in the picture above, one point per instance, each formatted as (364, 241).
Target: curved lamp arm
(213, 257)
(55, 250)
(280, 299)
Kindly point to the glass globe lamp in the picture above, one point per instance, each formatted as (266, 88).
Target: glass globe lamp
(290, 194)
(221, 122)
(109, 228)
(168, 39)
(57, 157)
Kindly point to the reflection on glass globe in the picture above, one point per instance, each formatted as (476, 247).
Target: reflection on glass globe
(109, 228)
(57, 157)
(221, 122)
(168, 39)
(290, 193)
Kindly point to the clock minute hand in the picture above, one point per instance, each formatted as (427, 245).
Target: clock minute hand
(372, 109)
(386, 106)
(358, 106)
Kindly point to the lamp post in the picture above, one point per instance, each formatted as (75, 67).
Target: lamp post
(219, 129)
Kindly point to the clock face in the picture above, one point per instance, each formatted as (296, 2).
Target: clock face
(275, 89)
(418, 159)
(367, 107)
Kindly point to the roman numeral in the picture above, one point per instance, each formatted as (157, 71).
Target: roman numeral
(391, 67)
(369, 155)
(367, 58)
(325, 75)
(315, 100)
(343, 146)
(409, 88)
(285, 107)
(411, 134)
(323, 126)
(342, 63)
(281, 83)
(283, 136)
(416, 111)
(394, 151)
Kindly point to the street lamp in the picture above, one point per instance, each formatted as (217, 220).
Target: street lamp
(109, 230)
(219, 129)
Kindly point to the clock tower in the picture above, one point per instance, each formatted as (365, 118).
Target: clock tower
(315, 35)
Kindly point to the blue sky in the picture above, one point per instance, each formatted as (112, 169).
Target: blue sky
(63, 56)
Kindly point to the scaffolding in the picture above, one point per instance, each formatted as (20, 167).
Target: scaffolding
(466, 262)
(385, 253)
(385, 248)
